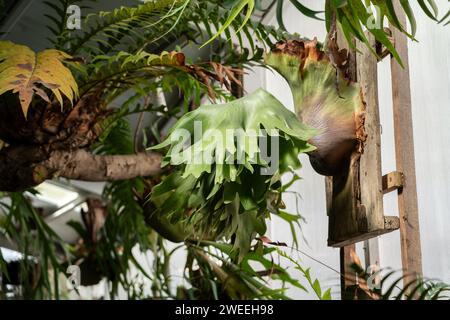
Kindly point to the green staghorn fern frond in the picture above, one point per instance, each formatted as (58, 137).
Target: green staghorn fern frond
(244, 118)
(228, 193)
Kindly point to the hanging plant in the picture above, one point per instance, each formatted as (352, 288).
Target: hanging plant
(223, 185)
(325, 99)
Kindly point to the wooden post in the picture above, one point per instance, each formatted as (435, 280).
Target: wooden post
(348, 275)
(370, 162)
(356, 206)
(334, 185)
(355, 197)
(404, 152)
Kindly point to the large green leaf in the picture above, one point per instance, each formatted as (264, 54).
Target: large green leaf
(223, 198)
(259, 110)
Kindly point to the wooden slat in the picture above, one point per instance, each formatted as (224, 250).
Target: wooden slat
(392, 181)
(370, 162)
(390, 224)
(404, 151)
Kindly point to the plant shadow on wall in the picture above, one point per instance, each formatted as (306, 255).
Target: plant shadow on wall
(63, 115)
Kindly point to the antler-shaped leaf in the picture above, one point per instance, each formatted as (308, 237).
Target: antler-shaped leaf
(212, 192)
(244, 118)
(24, 72)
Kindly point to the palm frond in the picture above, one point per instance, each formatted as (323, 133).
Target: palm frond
(40, 246)
(107, 30)
(58, 19)
(389, 286)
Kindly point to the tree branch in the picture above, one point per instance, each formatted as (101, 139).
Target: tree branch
(82, 165)
(25, 167)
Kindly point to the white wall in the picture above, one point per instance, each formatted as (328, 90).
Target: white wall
(430, 88)
(430, 76)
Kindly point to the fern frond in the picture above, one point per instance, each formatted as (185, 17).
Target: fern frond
(23, 71)
(253, 34)
(106, 30)
(58, 19)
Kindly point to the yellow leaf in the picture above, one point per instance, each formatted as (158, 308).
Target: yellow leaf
(25, 72)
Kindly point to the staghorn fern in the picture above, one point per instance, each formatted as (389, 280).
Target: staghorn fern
(246, 115)
(325, 99)
(221, 197)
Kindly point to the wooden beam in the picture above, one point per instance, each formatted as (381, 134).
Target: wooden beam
(404, 152)
(344, 185)
(356, 206)
(348, 275)
(370, 162)
(390, 223)
(392, 181)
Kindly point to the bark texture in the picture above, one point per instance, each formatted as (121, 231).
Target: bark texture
(82, 165)
(53, 143)
(19, 171)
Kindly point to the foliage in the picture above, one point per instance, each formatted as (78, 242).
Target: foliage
(244, 118)
(103, 30)
(352, 16)
(23, 72)
(388, 286)
(229, 193)
(217, 260)
(125, 225)
(42, 249)
(313, 283)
